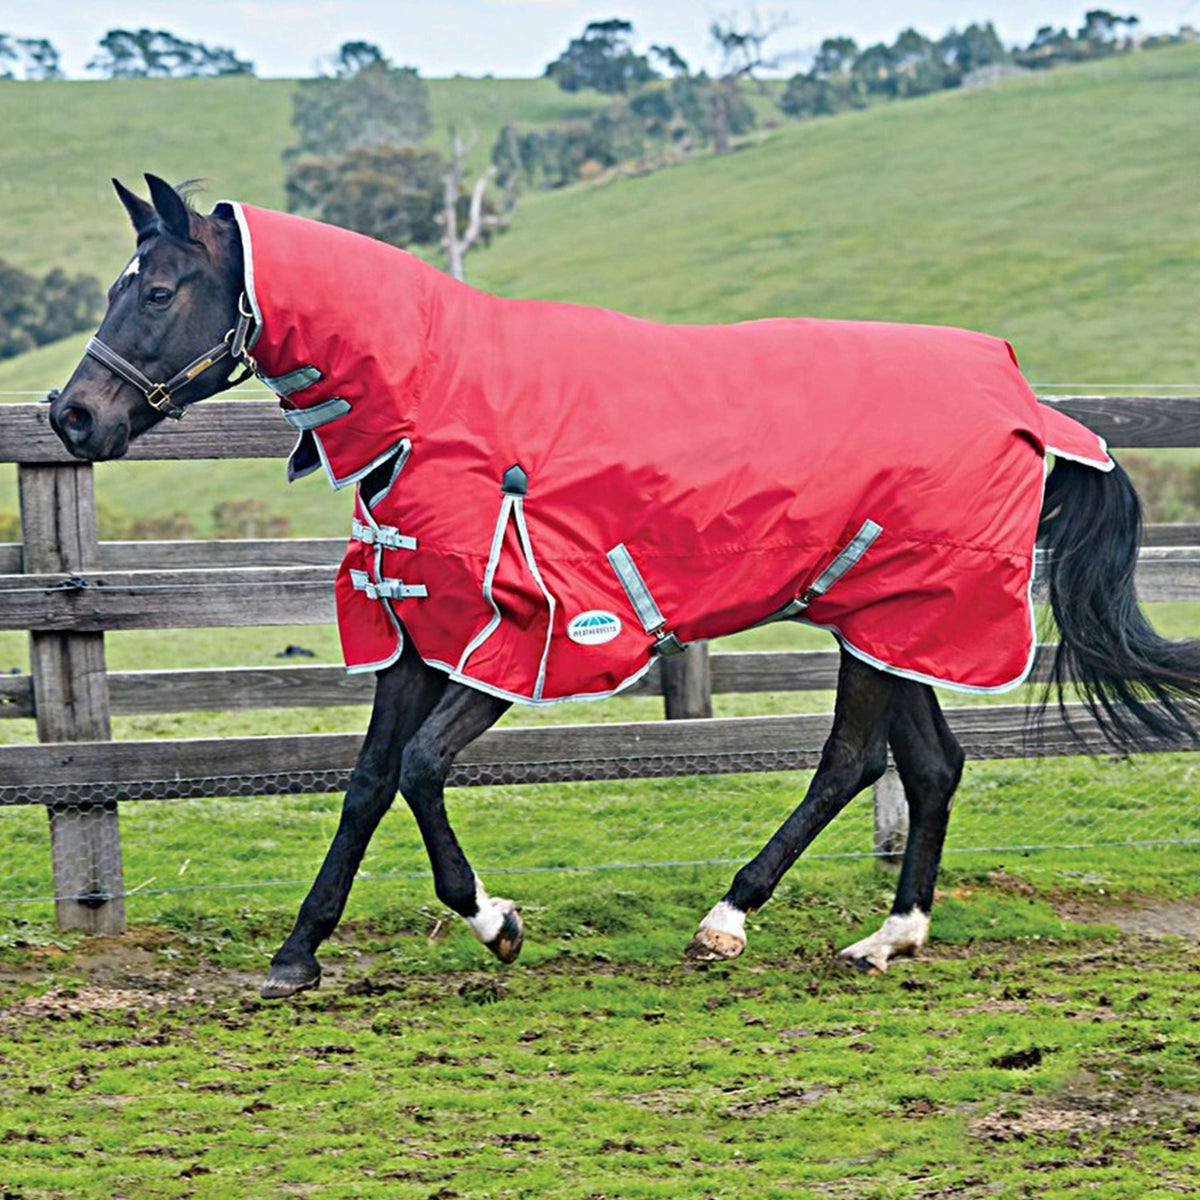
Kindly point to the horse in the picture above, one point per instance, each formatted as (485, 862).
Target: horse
(186, 320)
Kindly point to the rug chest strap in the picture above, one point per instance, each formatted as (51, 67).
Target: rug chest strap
(387, 589)
(387, 536)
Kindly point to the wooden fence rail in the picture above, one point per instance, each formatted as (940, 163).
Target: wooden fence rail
(68, 589)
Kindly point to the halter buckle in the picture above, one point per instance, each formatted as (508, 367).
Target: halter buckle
(159, 398)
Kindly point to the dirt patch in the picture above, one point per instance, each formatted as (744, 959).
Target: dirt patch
(1088, 1105)
(783, 1098)
(65, 1002)
(1146, 917)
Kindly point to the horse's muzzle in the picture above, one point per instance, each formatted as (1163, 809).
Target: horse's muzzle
(82, 434)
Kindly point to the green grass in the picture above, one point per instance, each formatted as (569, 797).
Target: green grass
(63, 141)
(600, 1066)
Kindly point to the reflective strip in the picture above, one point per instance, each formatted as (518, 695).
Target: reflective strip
(319, 414)
(527, 549)
(387, 589)
(386, 535)
(855, 549)
(489, 576)
(292, 381)
(635, 588)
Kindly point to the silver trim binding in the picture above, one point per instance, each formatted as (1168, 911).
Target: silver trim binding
(527, 550)
(489, 575)
(317, 415)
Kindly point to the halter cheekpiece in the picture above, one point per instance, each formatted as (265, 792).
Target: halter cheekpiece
(161, 396)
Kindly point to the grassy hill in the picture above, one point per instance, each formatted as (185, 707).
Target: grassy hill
(63, 141)
(1057, 210)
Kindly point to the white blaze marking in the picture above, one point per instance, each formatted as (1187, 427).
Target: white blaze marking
(135, 264)
(724, 918)
(488, 919)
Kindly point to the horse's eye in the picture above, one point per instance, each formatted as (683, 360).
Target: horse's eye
(160, 297)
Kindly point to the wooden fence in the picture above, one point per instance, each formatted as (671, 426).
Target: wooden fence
(67, 589)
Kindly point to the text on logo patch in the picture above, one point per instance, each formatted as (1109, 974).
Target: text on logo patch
(593, 628)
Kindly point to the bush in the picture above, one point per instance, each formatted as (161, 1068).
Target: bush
(34, 312)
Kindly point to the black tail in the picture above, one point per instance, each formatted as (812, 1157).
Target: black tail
(1140, 687)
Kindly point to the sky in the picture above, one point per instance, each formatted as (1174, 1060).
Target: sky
(518, 37)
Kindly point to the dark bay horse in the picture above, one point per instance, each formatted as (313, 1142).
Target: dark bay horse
(176, 332)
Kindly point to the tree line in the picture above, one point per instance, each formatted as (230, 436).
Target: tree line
(123, 54)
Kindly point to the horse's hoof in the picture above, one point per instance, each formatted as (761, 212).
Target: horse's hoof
(286, 979)
(506, 945)
(864, 964)
(714, 945)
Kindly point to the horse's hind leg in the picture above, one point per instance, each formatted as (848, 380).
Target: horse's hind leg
(405, 694)
(854, 756)
(930, 762)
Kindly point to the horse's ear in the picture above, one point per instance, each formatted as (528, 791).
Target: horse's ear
(140, 213)
(170, 207)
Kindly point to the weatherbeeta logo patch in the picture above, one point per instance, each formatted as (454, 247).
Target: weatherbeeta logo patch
(593, 628)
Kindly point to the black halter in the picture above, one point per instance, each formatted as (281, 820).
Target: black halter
(160, 396)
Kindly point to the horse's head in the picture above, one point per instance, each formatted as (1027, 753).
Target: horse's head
(171, 335)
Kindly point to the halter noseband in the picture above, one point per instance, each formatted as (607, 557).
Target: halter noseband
(160, 396)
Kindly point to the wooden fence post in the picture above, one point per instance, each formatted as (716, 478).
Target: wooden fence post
(687, 683)
(891, 817)
(70, 690)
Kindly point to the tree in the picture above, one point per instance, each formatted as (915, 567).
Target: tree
(462, 230)
(602, 59)
(34, 58)
(1101, 27)
(977, 46)
(918, 66)
(671, 59)
(353, 57)
(377, 105)
(742, 48)
(393, 193)
(835, 57)
(159, 54)
(813, 95)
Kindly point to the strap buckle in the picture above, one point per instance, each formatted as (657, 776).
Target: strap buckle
(159, 398)
(387, 589)
(387, 536)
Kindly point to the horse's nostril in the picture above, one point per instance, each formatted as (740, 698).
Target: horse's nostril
(76, 420)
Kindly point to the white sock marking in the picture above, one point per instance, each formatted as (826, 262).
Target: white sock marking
(488, 919)
(724, 918)
(901, 933)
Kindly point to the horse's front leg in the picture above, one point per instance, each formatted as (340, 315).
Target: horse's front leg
(405, 694)
(459, 717)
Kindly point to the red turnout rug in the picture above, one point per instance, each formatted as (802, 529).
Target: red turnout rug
(574, 490)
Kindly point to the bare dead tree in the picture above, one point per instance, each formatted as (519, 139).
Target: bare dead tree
(741, 39)
(455, 242)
